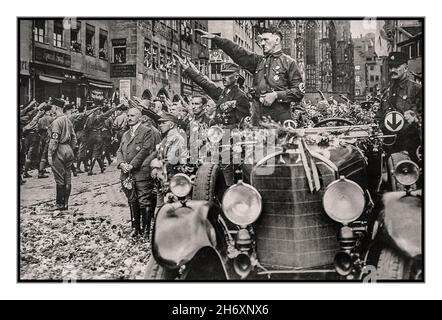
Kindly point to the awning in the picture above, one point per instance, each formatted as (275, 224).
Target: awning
(100, 85)
(51, 79)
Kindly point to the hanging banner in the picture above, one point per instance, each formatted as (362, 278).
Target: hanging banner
(97, 95)
(125, 89)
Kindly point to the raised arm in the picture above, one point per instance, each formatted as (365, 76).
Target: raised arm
(241, 56)
(208, 86)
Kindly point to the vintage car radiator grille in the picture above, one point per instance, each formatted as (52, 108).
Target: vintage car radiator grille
(294, 230)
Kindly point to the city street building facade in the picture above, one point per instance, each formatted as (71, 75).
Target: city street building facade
(368, 68)
(64, 57)
(86, 60)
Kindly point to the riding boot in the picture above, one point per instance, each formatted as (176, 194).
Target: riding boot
(59, 197)
(101, 164)
(41, 170)
(109, 159)
(91, 167)
(85, 164)
(147, 216)
(67, 193)
(136, 213)
(74, 170)
(79, 166)
(27, 167)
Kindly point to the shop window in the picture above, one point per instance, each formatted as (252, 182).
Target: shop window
(75, 36)
(119, 50)
(103, 45)
(58, 33)
(90, 40)
(39, 30)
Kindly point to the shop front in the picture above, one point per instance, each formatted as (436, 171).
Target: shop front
(96, 91)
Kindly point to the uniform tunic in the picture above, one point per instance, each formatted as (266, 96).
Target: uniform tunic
(276, 72)
(401, 96)
(94, 126)
(231, 102)
(61, 149)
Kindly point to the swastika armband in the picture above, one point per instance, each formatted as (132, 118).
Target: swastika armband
(55, 136)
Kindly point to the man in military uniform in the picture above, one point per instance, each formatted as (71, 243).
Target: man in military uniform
(78, 121)
(137, 145)
(94, 125)
(107, 134)
(170, 152)
(43, 127)
(232, 103)
(277, 79)
(402, 95)
(199, 118)
(33, 138)
(61, 154)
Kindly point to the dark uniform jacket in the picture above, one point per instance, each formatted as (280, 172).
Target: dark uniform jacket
(134, 151)
(95, 122)
(402, 96)
(225, 115)
(276, 72)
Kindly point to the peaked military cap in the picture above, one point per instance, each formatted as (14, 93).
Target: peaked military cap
(395, 59)
(229, 67)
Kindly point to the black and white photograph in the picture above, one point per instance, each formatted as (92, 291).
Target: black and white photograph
(206, 149)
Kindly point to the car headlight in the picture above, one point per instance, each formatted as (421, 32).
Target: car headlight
(180, 185)
(242, 204)
(215, 134)
(344, 200)
(406, 172)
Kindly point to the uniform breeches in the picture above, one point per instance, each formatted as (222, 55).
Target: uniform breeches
(33, 147)
(61, 164)
(96, 144)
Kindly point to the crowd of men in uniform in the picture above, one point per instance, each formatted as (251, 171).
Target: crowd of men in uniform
(146, 135)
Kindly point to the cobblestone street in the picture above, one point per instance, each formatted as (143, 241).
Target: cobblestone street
(89, 241)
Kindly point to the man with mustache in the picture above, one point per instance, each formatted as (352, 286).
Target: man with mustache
(402, 95)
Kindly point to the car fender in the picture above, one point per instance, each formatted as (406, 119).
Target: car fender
(402, 221)
(180, 232)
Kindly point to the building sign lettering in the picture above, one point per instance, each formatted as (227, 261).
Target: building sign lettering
(122, 70)
(49, 56)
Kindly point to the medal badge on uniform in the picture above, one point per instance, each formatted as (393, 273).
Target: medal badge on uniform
(138, 148)
(276, 77)
(54, 135)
